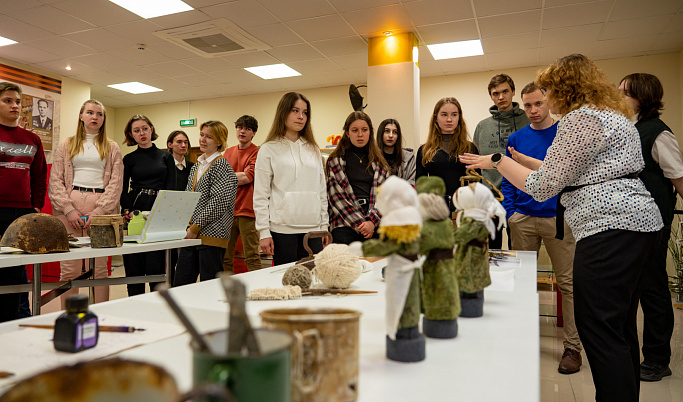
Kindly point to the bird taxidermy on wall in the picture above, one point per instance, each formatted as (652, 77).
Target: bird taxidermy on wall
(356, 98)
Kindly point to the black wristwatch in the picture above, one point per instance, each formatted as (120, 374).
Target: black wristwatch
(495, 159)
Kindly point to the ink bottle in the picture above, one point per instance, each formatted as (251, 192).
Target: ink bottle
(77, 329)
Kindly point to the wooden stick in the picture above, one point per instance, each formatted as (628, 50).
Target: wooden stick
(337, 291)
(102, 328)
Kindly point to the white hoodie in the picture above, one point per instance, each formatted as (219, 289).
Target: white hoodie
(290, 190)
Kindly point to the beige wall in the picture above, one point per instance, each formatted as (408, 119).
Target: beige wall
(330, 106)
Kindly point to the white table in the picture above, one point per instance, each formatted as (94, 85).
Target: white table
(86, 252)
(494, 357)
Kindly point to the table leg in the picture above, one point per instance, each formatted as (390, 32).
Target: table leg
(168, 267)
(92, 276)
(36, 288)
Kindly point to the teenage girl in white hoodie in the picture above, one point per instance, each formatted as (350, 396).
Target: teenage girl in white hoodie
(290, 194)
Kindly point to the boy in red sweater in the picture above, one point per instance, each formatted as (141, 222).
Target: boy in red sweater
(242, 158)
(23, 183)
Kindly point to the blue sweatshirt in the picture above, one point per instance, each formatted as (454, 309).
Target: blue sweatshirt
(534, 143)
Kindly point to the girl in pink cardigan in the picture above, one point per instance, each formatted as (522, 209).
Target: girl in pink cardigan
(86, 180)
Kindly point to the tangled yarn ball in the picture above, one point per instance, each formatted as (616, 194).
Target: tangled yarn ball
(298, 275)
(336, 267)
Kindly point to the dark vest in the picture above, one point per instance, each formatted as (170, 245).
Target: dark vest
(659, 186)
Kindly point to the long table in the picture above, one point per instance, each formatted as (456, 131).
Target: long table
(86, 252)
(494, 357)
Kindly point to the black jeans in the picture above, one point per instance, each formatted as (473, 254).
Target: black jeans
(347, 235)
(205, 261)
(9, 303)
(655, 299)
(608, 274)
(142, 264)
(290, 247)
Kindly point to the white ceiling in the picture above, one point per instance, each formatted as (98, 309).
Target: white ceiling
(325, 40)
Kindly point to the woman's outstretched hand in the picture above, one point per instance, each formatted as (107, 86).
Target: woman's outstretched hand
(474, 161)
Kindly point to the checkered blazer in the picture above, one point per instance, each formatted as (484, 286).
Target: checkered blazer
(212, 218)
(344, 208)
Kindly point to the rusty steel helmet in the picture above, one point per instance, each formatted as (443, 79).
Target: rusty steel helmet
(36, 234)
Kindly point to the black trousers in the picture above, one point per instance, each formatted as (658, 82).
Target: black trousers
(142, 264)
(290, 247)
(497, 244)
(9, 303)
(205, 261)
(655, 300)
(608, 273)
(347, 235)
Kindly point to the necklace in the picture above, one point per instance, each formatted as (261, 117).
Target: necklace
(360, 158)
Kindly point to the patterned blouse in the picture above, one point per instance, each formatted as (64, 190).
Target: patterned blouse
(596, 147)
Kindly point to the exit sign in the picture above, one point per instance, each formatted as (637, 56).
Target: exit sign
(188, 123)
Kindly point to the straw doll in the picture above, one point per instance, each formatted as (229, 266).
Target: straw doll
(475, 205)
(399, 240)
(440, 294)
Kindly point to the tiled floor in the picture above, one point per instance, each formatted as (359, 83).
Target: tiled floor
(579, 387)
(555, 386)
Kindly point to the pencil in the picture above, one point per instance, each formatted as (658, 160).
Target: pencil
(336, 291)
(102, 328)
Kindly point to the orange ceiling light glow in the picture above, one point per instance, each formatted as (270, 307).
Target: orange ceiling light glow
(396, 48)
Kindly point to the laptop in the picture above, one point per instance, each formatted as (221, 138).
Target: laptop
(168, 218)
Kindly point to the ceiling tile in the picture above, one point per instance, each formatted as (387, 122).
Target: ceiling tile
(60, 65)
(676, 23)
(100, 39)
(167, 84)
(342, 47)
(488, 8)
(61, 46)
(626, 10)
(242, 13)
(566, 35)
(448, 32)
(102, 13)
(353, 5)
(137, 31)
(238, 75)
(172, 50)
(555, 3)
(636, 45)
(511, 59)
(172, 69)
(314, 66)
(139, 57)
(52, 20)
(203, 3)
(209, 65)
(427, 12)
(375, 21)
(454, 66)
(181, 19)
(352, 61)
(673, 41)
(321, 28)
(19, 31)
(429, 68)
(578, 14)
(197, 79)
(332, 78)
(26, 53)
(424, 54)
(251, 59)
(550, 54)
(12, 6)
(287, 54)
(103, 90)
(291, 10)
(103, 61)
(101, 77)
(275, 35)
(136, 73)
(629, 28)
(526, 21)
(526, 40)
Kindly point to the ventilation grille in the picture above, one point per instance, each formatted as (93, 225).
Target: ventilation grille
(214, 38)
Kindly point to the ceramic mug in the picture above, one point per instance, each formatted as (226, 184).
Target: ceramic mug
(325, 354)
(263, 378)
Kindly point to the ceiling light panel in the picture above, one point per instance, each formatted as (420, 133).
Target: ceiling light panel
(153, 8)
(273, 71)
(454, 50)
(135, 87)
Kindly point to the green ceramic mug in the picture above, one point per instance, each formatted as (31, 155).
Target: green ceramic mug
(264, 378)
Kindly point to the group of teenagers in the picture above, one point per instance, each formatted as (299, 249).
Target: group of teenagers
(606, 183)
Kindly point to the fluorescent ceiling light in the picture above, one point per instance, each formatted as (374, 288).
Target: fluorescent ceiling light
(4, 41)
(153, 8)
(273, 71)
(135, 87)
(453, 50)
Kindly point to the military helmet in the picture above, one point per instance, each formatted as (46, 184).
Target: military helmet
(36, 234)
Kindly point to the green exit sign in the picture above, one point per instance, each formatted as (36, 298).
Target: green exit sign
(188, 123)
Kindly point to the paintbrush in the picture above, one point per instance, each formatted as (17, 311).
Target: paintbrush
(310, 292)
(102, 328)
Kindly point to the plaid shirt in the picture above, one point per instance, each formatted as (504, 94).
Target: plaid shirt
(344, 208)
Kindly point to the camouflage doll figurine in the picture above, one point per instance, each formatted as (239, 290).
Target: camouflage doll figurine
(440, 294)
(475, 206)
(399, 241)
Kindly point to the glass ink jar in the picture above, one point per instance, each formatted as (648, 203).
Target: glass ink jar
(77, 329)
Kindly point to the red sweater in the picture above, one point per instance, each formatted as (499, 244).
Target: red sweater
(23, 171)
(243, 160)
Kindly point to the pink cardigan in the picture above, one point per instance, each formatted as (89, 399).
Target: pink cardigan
(62, 177)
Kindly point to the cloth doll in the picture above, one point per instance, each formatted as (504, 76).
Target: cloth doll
(440, 294)
(475, 206)
(399, 241)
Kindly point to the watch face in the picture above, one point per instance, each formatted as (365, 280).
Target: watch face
(496, 157)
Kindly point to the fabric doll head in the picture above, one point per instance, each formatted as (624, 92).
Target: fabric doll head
(397, 202)
(476, 201)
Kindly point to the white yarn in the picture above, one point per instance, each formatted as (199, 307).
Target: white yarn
(336, 267)
(283, 293)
